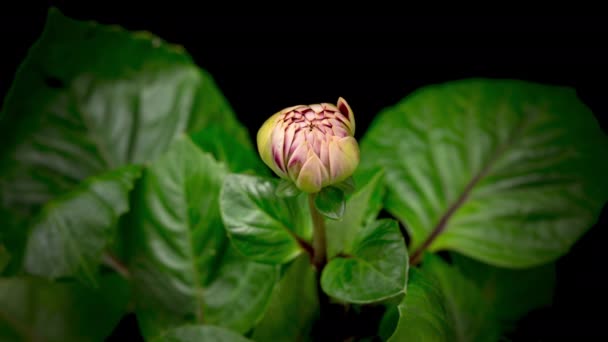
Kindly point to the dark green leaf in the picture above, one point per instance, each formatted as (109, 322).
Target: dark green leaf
(504, 171)
(90, 98)
(261, 225)
(192, 333)
(72, 231)
(443, 305)
(330, 202)
(287, 188)
(180, 259)
(5, 257)
(375, 268)
(155, 322)
(225, 146)
(504, 289)
(293, 306)
(389, 321)
(36, 309)
(236, 298)
(362, 208)
(348, 186)
(239, 293)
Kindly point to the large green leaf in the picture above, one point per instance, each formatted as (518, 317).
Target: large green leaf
(180, 258)
(191, 333)
(294, 306)
(443, 305)
(225, 146)
(72, 231)
(374, 269)
(261, 225)
(505, 289)
(36, 309)
(362, 208)
(504, 171)
(89, 98)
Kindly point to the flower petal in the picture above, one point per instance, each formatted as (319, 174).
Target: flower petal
(343, 158)
(310, 178)
(264, 142)
(348, 113)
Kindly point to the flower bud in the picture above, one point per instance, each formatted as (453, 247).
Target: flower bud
(313, 146)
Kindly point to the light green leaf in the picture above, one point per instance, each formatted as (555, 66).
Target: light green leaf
(375, 269)
(191, 333)
(294, 306)
(330, 202)
(507, 172)
(362, 208)
(36, 309)
(261, 225)
(504, 289)
(180, 258)
(72, 231)
(442, 305)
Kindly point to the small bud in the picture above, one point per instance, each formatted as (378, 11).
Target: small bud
(313, 146)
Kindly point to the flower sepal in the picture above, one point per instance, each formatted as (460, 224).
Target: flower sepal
(331, 202)
(287, 188)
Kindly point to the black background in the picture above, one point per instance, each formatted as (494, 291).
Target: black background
(263, 64)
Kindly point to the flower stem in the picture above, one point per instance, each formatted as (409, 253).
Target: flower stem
(319, 260)
(319, 243)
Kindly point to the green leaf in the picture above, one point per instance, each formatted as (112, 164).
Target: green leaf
(180, 260)
(294, 306)
(90, 98)
(236, 298)
(240, 292)
(503, 289)
(507, 172)
(5, 257)
(330, 202)
(36, 309)
(287, 188)
(191, 333)
(225, 146)
(261, 225)
(72, 231)
(389, 321)
(348, 186)
(375, 269)
(443, 305)
(362, 208)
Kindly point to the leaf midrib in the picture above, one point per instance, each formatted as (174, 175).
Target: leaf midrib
(461, 200)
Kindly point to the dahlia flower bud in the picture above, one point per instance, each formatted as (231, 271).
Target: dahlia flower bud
(313, 146)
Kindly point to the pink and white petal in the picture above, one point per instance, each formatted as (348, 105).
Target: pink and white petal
(343, 158)
(264, 141)
(296, 161)
(277, 142)
(310, 178)
(345, 109)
